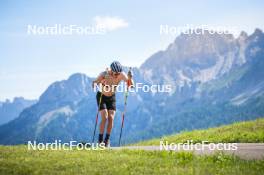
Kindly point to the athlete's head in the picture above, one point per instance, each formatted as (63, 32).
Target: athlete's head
(116, 67)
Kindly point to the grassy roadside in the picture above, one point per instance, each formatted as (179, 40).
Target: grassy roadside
(241, 132)
(19, 160)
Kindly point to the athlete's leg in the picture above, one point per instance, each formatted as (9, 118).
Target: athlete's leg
(111, 116)
(102, 124)
(104, 116)
(110, 123)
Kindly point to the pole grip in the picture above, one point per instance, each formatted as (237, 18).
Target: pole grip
(129, 83)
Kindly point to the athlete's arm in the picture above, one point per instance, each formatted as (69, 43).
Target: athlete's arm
(128, 79)
(98, 79)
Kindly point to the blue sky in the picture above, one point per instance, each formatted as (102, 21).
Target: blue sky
(30, 63)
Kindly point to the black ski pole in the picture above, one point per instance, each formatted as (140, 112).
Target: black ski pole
(96, 119)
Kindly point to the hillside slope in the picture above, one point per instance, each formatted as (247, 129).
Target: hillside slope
(240, 132)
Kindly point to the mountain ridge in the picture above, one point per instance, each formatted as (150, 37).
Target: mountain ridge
(9, 110)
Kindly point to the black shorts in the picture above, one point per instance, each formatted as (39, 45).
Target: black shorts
(108, 103)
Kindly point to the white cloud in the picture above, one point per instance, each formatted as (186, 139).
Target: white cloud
(110, 23)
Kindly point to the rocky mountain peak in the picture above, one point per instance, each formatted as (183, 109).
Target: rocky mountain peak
(74, 88)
